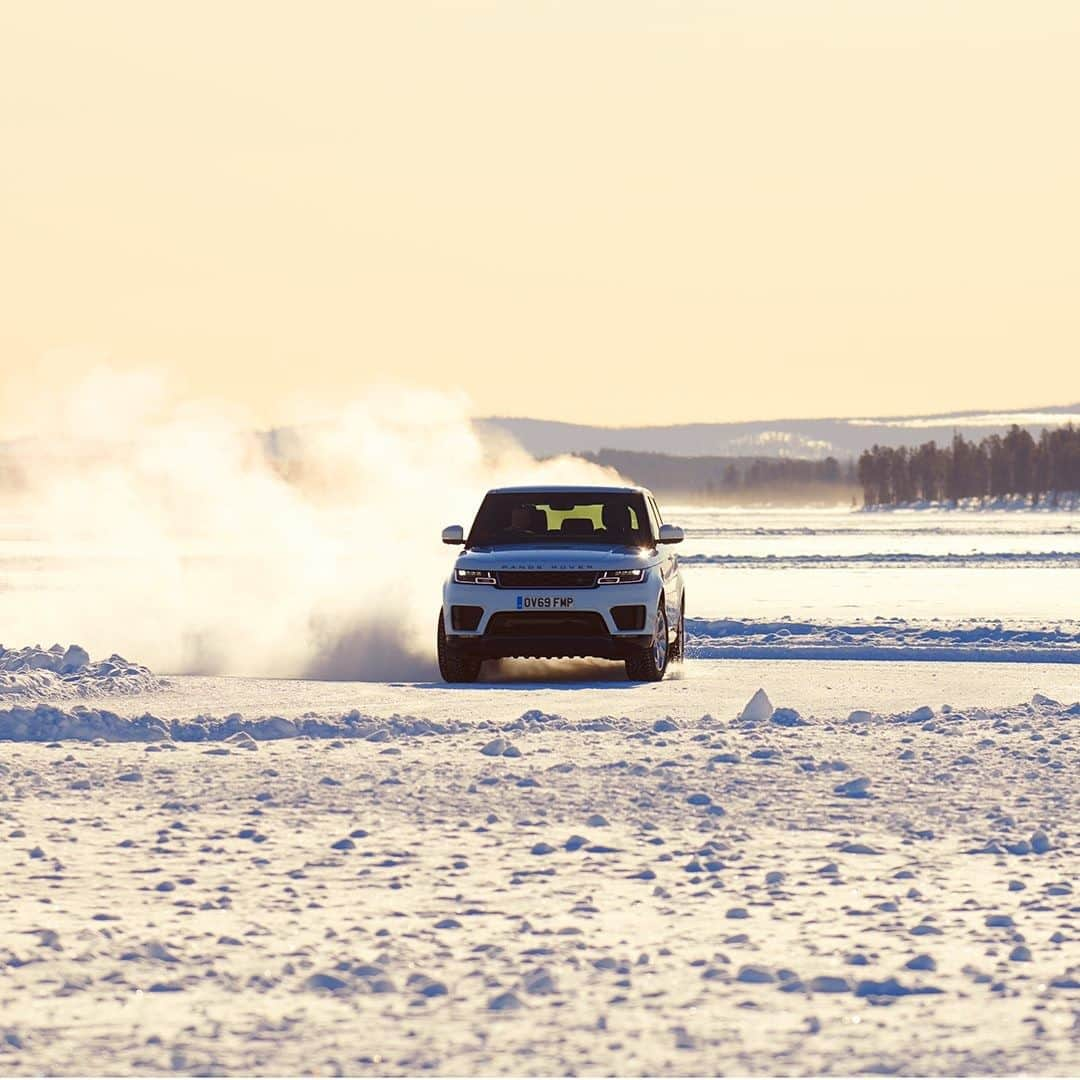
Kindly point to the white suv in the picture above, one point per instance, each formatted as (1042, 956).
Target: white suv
(564, 571)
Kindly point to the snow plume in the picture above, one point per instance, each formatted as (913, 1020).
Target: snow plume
(174, 533)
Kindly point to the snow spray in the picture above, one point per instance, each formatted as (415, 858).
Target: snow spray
(175, 533)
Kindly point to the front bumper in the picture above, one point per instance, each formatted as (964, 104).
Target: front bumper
(620, 647)
(536, 622)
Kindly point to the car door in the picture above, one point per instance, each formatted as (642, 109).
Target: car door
(669, 569)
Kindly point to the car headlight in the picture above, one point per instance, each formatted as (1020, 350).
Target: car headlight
(621, 577)
(475, 577)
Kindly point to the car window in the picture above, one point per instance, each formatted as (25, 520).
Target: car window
(619, 518)
(593, 512)
(654, 516)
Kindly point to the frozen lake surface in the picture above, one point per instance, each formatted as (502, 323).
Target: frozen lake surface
(824, 566)
(761, 583)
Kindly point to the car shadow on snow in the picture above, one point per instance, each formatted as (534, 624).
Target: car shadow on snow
(547, 675)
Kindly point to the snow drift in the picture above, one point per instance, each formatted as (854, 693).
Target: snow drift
(48, 722)
(883, 639)
(57, 672)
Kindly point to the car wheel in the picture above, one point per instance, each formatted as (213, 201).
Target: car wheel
(650, 664)
(453, 667)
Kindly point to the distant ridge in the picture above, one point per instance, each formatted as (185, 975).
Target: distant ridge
(841, 437)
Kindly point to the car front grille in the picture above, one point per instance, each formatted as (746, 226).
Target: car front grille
(546, 624)
(546, 579)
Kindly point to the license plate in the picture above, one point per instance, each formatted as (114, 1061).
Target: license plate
(530, 603)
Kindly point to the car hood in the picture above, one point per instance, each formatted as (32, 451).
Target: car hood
(555, 557)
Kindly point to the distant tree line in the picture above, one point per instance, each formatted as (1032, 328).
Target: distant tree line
(1000, 465)
(735, 479)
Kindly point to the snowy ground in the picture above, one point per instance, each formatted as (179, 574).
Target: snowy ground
(631, 879)
(256, 875)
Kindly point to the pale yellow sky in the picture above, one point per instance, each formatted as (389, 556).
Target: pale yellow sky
(614, 212)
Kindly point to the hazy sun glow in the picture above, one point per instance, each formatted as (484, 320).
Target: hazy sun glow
(759, 208)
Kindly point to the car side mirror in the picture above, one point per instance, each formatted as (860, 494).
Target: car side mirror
(453, 534)
(670, 534)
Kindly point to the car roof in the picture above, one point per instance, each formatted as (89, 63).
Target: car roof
(586, 489)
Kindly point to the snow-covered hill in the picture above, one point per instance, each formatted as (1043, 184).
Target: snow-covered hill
(836, 436)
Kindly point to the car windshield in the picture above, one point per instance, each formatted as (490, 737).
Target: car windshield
(552, 517)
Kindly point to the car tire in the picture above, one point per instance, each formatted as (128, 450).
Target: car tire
(678, 646)
(453, 667)
(650, 664)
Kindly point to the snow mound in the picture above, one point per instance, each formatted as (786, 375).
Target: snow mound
(51, 723)
(34, 673)
(758, 708)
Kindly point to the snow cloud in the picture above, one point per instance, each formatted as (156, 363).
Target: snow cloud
(175, 533)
